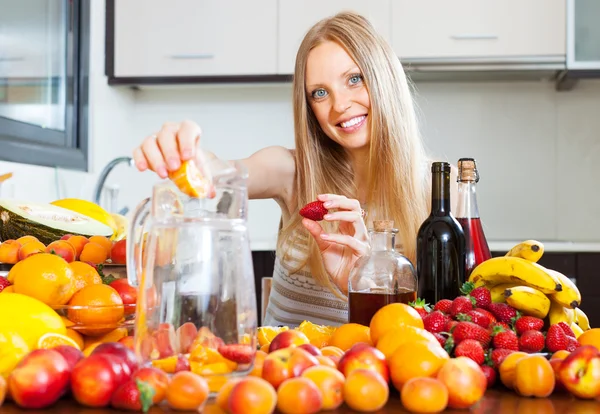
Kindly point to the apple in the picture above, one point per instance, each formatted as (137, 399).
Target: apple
(119, 350)
(580, 372)
(363, 355)
(313, 350)
(39, 379)
(95, 378)
(465, 381)
(71, 354)
(118, 252)
(286, 339)
(186, 334)
(286, 363)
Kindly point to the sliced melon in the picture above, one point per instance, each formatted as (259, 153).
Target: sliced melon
(47, 222)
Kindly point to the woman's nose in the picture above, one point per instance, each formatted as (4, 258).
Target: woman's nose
(342, 102)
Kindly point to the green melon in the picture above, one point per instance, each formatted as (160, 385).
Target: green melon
(47, 222)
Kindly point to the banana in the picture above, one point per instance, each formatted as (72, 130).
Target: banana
(122, 227)
(497, 291)
(569, 296)
(531, 250)
(516, 270)
(581, 319)
(559, 313)
(576, 329)
(528, 300)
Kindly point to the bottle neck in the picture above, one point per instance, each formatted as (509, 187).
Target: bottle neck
(382, 241)
(467, 200)
(440, 194)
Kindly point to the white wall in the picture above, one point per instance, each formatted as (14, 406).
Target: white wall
(536, 147)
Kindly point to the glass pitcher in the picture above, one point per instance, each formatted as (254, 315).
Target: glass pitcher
(191, 259)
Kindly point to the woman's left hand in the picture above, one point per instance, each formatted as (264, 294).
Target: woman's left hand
(341, 250)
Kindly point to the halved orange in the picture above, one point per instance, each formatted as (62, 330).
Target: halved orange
(191, 182)
(51, 340)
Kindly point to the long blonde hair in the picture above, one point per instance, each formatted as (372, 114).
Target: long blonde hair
(397, 169)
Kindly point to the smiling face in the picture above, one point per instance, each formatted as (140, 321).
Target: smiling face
(337, 95)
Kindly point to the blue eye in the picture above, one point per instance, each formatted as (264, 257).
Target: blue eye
(319, 93)
(354, 79)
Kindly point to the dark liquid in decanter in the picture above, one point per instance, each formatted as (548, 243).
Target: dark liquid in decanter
(363, 305)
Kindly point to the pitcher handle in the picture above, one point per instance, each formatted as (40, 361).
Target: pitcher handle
(135, 242)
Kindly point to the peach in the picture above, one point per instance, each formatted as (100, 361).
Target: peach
(29, 248)
(365, 390)
(121, 351)
(259, 359)
(363, 355)
(287, 339)
(63, 249)
(313, 350)
(299, 395)
(158, 380)
(330, 350)
(252, 395)
(95, 378)
(9, 251)
(39, 379)
(330, 382)
(580, 372)
(286, 363)
(327, 361)
(71, 354)
(465, 381)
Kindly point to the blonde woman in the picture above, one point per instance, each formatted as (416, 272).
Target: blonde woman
(357, 148)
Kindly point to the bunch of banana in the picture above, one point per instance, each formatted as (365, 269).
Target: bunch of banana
(528, 300)
(531, 250)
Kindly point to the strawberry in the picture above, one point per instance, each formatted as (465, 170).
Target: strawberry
(470, 348)
(420, 306)
(498, 355)
(482, 295)
(502, 312)
(567, 329)
(556, 339)
(504, 326)
(4, 283)
(461, 304)
(475, 317)
(487, 313)
(443, 305)
(240, 353)
(532, 341)
(441, 339)
(490, 375)
(572, 344)
(451, 325)
(470, 330)
(133, 395)
(314, 211)
(528, 323)
(505, 339)
(435, 322)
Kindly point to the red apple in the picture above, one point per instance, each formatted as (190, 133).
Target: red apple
(465, 381)
(288, 338)
(286, 363)
(118, 252)
(71, 354)
(95, 378)
(39, 379)
(580, 372)
(127, 293)
(121, 351)
(363, 355)
(186, 334)
(313, 350)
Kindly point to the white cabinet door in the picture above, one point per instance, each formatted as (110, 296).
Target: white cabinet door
(297, 17)
(195, 37)
(455, 29)
(583, 34)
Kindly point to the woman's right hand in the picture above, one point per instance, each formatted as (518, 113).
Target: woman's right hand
(168, 148)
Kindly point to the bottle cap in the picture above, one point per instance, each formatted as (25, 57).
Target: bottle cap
(440, 166)
(467, 170)
(383, 225)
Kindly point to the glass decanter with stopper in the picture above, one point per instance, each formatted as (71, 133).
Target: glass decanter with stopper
(384, 276)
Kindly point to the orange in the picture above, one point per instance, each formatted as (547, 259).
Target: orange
(84, 275)
(393, 339)
(266, 334)
(51, 340)
(77, 337)
(45, 277)
(416, 359)
(318, 335)
(590, 337)
(190, 181)
(349, 334)
(391, 316)
(97, 308)
(424, 395)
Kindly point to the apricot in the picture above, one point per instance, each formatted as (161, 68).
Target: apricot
(252, 395)
(259, 359)
(365, 390)
(465, 381)
(29, 248)
(78, 242)
(534, 377)
(562, 354)
(102, 241)
(299, 395)
(9, 251)
(507, 368)
(424, 395)
(187, 391)
(93, 253)
(556, 363)
(63, 249)
(25, 239)
(222, 399)
(330, 382)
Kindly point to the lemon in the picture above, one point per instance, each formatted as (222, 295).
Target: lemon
(51, 340)
(28, 317)
(12, 349)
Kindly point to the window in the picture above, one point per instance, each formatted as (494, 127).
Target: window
(44, 59)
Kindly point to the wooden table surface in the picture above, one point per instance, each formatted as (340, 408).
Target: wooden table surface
(495, 401)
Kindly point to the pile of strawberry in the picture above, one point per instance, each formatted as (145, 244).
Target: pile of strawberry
(474, 327)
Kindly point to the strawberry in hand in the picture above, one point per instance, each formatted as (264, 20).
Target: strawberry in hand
(314, 211)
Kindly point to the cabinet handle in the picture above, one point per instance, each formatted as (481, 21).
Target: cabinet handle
(474, 37)
(12, 59)
(194, 56)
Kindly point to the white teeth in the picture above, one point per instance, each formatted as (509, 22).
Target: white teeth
(352, 122)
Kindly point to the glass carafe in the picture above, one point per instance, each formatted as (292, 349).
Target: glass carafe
(384, 276)
(191, 259)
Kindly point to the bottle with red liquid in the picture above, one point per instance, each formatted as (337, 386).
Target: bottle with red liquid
(467, 214)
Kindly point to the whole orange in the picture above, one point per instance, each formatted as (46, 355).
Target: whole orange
(590, 337)
(349, 334)
(96, 309)
(84, 275)
(416, 359)
(424, 395)
(393, 339)
(391, 316)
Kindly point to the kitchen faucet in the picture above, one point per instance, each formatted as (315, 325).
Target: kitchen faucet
(104, 174)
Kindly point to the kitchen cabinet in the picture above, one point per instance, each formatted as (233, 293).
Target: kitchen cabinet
(583, 34)
(532, 31)
(191, 38)
(297, 17)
